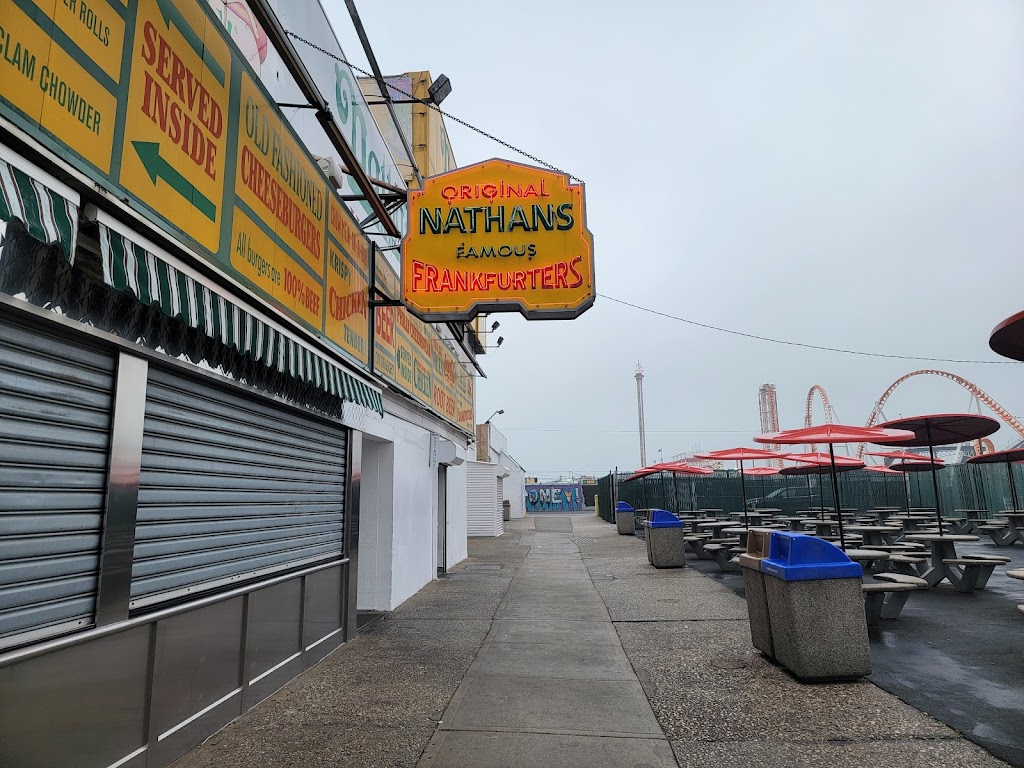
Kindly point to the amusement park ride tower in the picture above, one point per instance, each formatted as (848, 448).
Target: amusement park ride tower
(639, 376)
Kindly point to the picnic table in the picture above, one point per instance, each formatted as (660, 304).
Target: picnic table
(911, 523)
(866, 556)
(965, 574)
(793, 523)
(1017, 573)
(880, 535)
(1012, 533)
(753, 516)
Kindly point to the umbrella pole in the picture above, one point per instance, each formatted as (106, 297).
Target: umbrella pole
(821, 496)
(1013, 486)
(935, 476)
(743, 487)
(664, 494)
(835, 494)
(906, 489)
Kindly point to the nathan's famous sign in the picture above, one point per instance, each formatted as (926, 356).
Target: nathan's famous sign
(498, 237)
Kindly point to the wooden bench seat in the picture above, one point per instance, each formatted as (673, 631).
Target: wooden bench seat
(1016, 573)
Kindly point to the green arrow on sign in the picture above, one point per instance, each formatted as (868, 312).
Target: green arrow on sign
(170, 13)
(158, 167)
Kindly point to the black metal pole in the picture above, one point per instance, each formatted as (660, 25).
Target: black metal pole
(835, 494)
(935, 474)
(821, 494)
(1013, 486)
(743, 486)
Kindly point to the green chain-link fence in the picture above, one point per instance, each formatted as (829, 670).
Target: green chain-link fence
(961, 486)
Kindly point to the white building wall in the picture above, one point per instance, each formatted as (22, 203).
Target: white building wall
(458, 544)
(405, 544)
(514, 490)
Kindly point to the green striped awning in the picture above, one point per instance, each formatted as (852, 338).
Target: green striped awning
(128, 266)
(50, 216)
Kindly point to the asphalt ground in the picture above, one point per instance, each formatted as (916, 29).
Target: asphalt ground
(557, 644)
(958, 657)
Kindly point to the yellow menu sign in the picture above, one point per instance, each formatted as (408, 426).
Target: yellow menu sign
(54, 88)
(212, 161)
(175, 135)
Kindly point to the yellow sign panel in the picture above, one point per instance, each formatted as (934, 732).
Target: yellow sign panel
(255, 255)
(279, 227)
(498, 237)
(175, 136)
(94, 27)
(346, 322)
(277, 180)
(53, 89)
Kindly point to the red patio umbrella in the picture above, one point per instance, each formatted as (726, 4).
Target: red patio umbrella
(817, 457)
(1007, 338)
(740, 455)
(903, 456)
(942, 429)
(832, 434)
(1003, 457)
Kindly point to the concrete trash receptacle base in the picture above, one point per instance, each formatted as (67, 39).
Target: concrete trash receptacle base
(757, 605)
(665, 542)
(625, 522)
(819, 631)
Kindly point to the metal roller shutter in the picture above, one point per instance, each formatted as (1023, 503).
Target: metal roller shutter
(232, 488)
(499, 512)
(55, 412)
(481, 499)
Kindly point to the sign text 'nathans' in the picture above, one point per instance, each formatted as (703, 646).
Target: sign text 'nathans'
(498, 237)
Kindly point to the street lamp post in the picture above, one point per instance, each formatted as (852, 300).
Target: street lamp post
(496, 413)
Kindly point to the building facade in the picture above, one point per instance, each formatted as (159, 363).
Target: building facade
(221, 436)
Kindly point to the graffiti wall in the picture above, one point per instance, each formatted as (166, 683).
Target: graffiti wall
(551, 497)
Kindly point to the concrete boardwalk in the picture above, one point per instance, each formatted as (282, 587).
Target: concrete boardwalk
(551, 684)
(558, 645)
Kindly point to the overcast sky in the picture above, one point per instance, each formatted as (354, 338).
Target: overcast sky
(848, 174)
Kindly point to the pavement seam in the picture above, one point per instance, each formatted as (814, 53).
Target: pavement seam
(429, 751)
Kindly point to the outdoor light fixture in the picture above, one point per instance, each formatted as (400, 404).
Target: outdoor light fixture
(496, 413)
(500, 339)
(440, 89)
(494, 326)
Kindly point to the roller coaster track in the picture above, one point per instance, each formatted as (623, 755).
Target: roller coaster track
(830, 414)
(982, 396)
(769, 406)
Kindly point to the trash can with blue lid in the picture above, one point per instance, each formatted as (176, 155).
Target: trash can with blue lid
(815, 608)
(625, 518)
(758, 543)
(665, 543)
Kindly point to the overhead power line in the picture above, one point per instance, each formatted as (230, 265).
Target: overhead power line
(707, 326)
(446, 115)
(788, 343)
